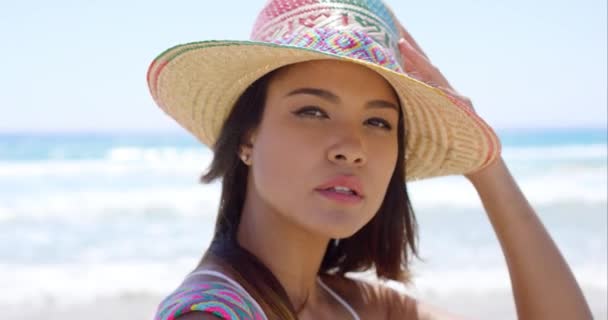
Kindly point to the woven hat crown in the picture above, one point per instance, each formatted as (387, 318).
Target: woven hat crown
(360, 29)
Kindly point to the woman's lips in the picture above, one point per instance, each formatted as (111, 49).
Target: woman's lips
(354, 196)
(340, 197)
(351, 182)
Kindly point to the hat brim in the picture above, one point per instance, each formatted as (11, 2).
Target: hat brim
(198, 83)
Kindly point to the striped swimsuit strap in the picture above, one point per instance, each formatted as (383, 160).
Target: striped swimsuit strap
(234, 284)
(319, 281)
(229, 300)
(224, 299)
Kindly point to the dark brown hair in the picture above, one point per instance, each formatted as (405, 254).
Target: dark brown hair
(387, 243)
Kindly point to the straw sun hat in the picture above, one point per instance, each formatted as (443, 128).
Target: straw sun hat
(198, 83)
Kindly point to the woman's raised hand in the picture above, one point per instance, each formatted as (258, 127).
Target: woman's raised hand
(419, 66)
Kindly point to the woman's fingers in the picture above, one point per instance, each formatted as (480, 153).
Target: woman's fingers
(408, 37)
(419, 67)
(408, 50)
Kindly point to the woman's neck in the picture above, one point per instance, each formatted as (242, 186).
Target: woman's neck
(293, 254)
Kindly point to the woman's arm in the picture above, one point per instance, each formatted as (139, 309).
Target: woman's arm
(543, 285)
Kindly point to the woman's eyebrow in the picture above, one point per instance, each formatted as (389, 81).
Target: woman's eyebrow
(382, 104)
(331, 97)
(327, 95)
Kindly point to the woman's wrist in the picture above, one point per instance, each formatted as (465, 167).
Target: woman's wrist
(495, 170)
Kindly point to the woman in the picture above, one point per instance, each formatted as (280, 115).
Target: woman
(315, 127)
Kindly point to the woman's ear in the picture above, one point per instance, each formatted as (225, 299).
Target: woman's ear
(246, 147)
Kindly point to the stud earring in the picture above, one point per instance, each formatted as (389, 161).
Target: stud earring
(245, 158)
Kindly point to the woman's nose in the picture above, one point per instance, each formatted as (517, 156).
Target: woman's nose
(349, 149)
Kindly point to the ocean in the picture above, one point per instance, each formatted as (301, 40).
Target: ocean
(89, 216)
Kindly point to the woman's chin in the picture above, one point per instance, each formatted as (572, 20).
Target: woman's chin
(337, 230)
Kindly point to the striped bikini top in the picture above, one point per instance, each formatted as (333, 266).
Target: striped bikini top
(228, 300)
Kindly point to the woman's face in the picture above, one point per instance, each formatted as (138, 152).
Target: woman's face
(326, 124)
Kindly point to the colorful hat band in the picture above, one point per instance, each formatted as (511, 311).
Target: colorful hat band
(333, 27)
(353, 44)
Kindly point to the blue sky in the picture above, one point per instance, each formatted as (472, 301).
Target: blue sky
(81, 65)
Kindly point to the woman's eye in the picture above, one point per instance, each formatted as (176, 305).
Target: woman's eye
(311, 112)
(380, 123)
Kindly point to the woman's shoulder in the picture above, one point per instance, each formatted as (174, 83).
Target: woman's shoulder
(205, 296)
(374, 299)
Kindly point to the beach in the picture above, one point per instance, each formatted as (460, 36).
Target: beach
(101, 226)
